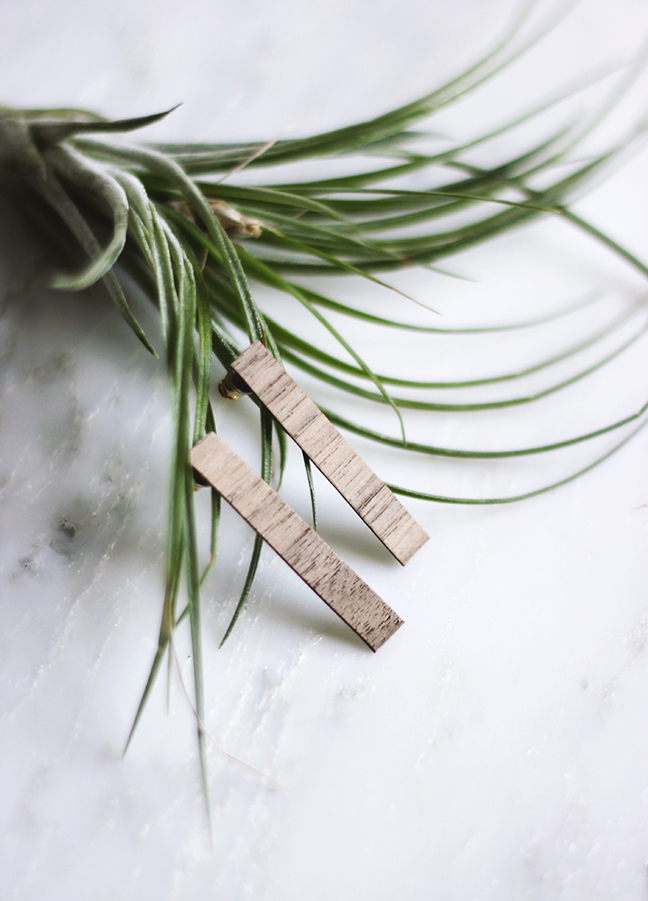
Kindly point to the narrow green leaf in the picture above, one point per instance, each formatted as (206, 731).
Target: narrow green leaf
(438, 498)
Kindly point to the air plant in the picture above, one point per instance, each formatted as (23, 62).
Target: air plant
(187, 228)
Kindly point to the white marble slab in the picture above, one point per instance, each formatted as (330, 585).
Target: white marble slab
(497, 746)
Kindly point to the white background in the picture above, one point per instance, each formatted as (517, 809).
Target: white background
(496, 747)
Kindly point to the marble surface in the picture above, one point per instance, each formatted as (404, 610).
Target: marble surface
(496, 747)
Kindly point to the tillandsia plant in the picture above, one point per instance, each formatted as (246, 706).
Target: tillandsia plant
(183, 226)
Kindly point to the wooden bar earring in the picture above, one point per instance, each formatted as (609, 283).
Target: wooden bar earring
(330, 452)
(302, 548)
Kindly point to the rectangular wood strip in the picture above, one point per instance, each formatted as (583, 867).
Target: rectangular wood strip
(302, 548)
(330, 452)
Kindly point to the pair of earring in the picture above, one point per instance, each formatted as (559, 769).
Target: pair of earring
(257, 371)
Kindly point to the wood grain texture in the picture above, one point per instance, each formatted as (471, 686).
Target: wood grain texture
(330, 452)
(302, 548)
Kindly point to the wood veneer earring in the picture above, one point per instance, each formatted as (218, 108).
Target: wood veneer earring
(302, 548)
(257, 370)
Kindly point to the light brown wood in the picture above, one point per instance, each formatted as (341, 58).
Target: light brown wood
(302, 548)
(330, 452)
